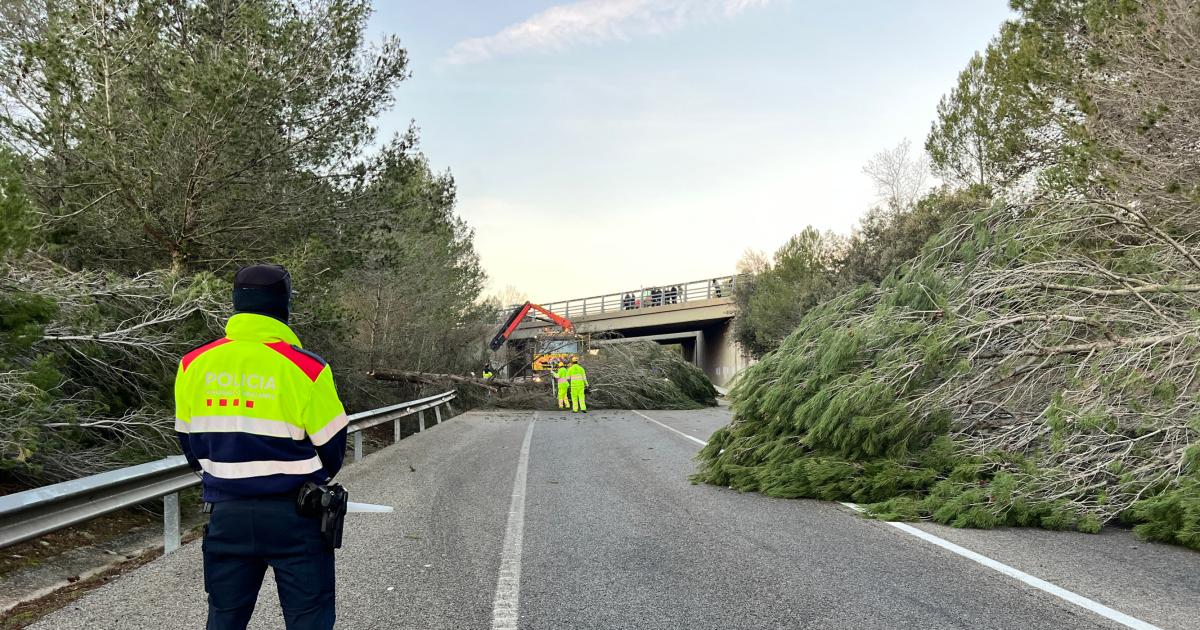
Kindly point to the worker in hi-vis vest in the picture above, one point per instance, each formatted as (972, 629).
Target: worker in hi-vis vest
(560, 381)
(259, 417)
(577, 377)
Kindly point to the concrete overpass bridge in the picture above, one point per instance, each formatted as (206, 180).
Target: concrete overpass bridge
(696, 315)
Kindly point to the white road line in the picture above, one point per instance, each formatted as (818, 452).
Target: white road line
(506, 607)
(1038, 583)
(692, 438)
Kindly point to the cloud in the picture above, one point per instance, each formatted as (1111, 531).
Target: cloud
(594, 21)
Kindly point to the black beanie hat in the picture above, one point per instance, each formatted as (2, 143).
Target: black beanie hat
(263, 289)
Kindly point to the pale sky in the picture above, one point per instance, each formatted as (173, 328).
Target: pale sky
(605, 145)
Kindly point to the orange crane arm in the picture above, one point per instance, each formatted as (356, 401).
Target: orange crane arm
(561, 321)
(518, 315)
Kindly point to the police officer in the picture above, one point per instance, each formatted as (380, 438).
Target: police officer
(260, 417)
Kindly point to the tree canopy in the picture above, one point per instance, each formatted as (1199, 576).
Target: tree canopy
(151, 148)
(1019, 347)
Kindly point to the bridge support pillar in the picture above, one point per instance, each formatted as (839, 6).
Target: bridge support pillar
(723, 357)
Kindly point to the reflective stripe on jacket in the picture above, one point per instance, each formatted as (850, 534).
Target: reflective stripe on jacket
(577, 374)
(257, 413)
(561, 376)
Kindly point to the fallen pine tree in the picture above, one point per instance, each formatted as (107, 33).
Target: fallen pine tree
(445, 380)
(635, 375)
(973, 392)
(1037, 365)
(645, 375)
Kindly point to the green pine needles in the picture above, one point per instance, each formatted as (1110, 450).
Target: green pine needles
(1038, 363)
(828, 415)
(956, 393)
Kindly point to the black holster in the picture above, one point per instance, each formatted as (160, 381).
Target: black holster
(327, 503)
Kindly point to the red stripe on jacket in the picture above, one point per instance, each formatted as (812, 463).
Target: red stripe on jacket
(311, 367)
(191, 356)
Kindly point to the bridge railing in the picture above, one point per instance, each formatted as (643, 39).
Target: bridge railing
(645, 297)
(33, 513)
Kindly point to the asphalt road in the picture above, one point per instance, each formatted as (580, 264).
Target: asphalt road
(612, 535)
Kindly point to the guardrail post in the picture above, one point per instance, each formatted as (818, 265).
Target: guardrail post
(450, 408)
(170, 522)
(421, 420)
(437, 411)
(395, 430)
(358, 446)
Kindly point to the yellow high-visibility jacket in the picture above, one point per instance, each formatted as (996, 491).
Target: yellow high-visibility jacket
(577, 376)
(560, 376)
(257, 413)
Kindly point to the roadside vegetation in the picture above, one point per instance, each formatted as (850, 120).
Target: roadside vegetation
(644, 375)
(1017, 346)
(150, 148)
(632, 375)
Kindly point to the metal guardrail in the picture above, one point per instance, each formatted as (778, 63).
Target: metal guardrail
(36, 512)
(643, 297)
(374, 417)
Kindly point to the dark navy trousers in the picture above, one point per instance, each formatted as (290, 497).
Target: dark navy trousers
(246, 536)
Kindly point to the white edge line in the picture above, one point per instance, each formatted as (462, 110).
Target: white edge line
(690, 437)
(1038, 583)
(506, 606)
